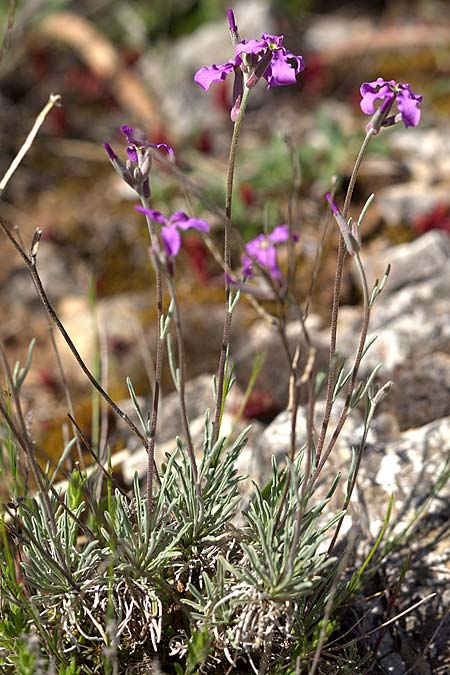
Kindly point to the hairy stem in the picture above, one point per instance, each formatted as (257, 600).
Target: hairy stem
(336, 299)
(158, 362)
(227, 260)
(358, 358)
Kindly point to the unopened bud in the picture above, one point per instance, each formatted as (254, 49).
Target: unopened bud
(380, 395)
(35, 243)
(260, 69)
(233, 27)
(351, 243)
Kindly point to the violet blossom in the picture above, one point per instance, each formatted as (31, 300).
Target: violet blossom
(136, 171)
(266, 58)
(388, 91)
(263, 250)
(170, 231)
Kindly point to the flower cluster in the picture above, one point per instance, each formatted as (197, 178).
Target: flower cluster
(265, 58)
(253, 59)
(136, 171)
(262, 250)
(388, 91)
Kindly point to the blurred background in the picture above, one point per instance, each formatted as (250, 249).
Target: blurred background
(133, 63)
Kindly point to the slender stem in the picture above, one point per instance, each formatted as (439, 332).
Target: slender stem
(181, 384)
(336, 299)
(358, 358)
(348, 497)
(227, 260)
(158, 362)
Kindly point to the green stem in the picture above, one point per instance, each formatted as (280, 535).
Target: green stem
(227, 260)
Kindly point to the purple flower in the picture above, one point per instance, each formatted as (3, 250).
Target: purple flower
(263, 251)
(136, 170)
(170, 231)
(388, 91)
(137, 141)
(266, 58)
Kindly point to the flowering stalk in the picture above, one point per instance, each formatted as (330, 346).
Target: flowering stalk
(336, 298)
(359, 354)
(227, 260)
(373, 403)
(158, 361)
(265, 58)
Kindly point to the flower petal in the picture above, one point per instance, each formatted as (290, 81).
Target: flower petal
(283, 69)
(157, 216)
(183, 222)
(279, 234)
(171, 240)
(407, 103)
(368, 100)
(251, 47)
(134, 136)
(111, 154)
(247, 268)
(132, 153)
(255, 245)
(373, 87)
(273, 41)
(208, 75)
(164, 146)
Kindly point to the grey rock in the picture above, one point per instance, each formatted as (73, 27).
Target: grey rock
(275, 440)
(405, 202)
(421, 259)
(261, 338)
(57, 278)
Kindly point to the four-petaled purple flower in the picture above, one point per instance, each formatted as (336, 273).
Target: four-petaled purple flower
(263, 250)
(136, 171)
(389, 92)
(266, 58)
(170, 231)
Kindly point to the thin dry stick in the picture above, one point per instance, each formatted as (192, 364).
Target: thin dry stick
(54, 100)
(30, 263)
(336, 299)
(412, 669)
